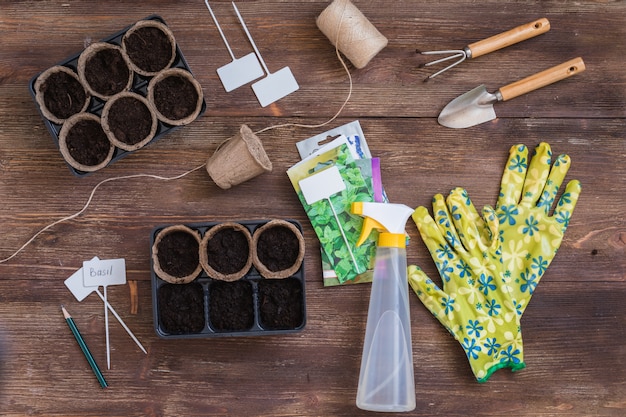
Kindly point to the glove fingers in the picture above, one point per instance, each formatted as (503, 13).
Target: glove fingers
(513, 176)
(491, 227)
(433, 236)
(444, 220)
(466, 220)
(567, 202)
(428, 292)
(557, 175)
(477, 233)
(537, 174)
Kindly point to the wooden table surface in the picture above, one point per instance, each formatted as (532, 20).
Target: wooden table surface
(574, 330)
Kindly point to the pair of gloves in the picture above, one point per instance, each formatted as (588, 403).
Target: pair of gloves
(490, 264)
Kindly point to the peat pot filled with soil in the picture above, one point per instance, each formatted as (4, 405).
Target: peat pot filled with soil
(175, 254)
(60, 94)
(103, 68)
(281, 304)
(181, 308)
(150, 47)
(277, 249)
(225, 251)
(129, 121)
(83, 143)
(231, 305)
(176, 96)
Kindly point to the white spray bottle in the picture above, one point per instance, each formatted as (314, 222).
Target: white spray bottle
(386, 380)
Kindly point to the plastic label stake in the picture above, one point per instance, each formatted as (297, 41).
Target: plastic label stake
(98, 272)
(240, 71)
(77, 287)
(322, 186)
(274, 86)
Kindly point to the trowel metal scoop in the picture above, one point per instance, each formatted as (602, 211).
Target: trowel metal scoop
(476, 106)
(491, 44)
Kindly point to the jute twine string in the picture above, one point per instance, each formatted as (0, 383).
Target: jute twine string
(350, 31)
(88, 202)
(351, 34)
(356, 41)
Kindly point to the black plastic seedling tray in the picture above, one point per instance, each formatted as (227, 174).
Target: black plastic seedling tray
(203, 290)
(139, 86)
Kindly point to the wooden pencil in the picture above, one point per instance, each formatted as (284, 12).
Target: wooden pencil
(84, 348)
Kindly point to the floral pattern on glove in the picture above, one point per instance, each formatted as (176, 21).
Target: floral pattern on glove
(530, 235)
(475, 303)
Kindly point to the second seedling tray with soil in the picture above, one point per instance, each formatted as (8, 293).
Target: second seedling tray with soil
(233, 304)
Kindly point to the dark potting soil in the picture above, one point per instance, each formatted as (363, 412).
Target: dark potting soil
(181, 308)
(231, 305)
(107, 72)
(175, 97)
(130, 120)
(278, 248)
(149, 48)
(87, 143)
(178, 254)
(63, 95)
(228, 251)
(280, 302)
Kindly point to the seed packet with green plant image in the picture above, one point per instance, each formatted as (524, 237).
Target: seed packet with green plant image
(350, 134)
(338, 255)
(329, 275)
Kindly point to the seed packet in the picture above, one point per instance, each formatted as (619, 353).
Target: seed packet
(343, 262)
(351, 134)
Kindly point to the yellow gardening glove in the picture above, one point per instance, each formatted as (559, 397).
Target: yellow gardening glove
(473, 305)
(530, 236)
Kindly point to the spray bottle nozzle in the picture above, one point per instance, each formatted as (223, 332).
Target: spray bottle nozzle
(390, 219)
(369, 224)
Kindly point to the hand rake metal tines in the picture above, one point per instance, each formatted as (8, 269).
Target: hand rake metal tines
(485, 46)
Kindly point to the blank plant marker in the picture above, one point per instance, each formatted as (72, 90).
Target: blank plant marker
(274, 86)
(322, 186)
(240, 71)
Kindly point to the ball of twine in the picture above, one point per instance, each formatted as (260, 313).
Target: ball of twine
(350, 32)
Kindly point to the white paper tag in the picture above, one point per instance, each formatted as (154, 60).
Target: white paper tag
(275, 86)
(76, 285)
(240, 72)
(104, 272)
(322, 185)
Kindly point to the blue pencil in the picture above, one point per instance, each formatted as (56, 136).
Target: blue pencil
(84, 348)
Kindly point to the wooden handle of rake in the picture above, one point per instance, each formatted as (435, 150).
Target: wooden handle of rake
(510, 37)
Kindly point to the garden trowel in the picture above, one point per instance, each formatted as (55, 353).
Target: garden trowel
(476, 106)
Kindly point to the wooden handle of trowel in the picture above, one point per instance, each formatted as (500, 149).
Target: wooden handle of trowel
(543, 78)
(508, 38)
